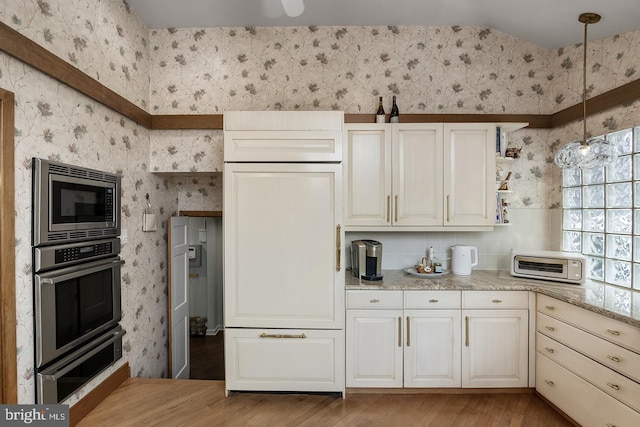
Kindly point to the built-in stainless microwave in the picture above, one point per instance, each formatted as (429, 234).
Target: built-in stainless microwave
(75, 304)
(71, 203)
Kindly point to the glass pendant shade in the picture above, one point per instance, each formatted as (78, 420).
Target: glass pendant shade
(597, 152)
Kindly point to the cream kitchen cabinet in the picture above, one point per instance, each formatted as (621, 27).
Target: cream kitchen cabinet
(419, 176)
(374, 339)
(588, 365)
(421, 341)
(495, 352)
(388, 346)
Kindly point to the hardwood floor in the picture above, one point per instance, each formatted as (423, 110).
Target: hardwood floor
(207, 357)
(161, 402)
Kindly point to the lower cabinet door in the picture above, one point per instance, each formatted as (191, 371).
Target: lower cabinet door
(432, 348)
(374, 348)
(284, 360)
(580, 400)
(495, 348)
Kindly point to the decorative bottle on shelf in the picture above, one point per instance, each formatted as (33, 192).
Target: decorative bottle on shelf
(394, 117)
(380, 117)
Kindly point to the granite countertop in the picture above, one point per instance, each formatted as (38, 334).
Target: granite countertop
(611, 301)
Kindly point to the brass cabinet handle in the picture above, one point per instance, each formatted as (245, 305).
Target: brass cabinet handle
(496, 301)
(612, 332)
(339, 246)
(375, 300)
(614, 386)
(388, 208)
(448, 217)
(550, 350)
(395, 207)
(551, 383)
(466, 331)
(549, 307)
(263, 335)
(408, 333)
(399, 331)
(614, 358)
(433, 300)
(550, 328)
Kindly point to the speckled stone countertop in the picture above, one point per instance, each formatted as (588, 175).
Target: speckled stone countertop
(611, 301)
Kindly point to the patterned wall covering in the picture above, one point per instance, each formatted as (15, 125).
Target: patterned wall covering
(208, 71)
(53, 121)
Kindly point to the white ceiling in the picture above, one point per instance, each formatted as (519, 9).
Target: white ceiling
(547, 23)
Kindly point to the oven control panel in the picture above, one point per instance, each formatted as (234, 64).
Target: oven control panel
(56, 256)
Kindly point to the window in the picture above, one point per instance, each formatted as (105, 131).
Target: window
(601, 214)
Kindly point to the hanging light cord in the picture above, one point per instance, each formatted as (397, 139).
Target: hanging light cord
(584, 87)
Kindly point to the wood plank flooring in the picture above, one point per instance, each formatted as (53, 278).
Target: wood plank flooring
(207, 357)
(161, 402)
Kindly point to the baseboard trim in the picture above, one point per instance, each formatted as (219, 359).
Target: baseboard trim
(85, 405)
(215, 330)
(558, 410)
(443, 390)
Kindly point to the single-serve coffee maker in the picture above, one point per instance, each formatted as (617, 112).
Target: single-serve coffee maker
(366, 259)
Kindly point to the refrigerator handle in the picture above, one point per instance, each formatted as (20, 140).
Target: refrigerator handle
(338, 246)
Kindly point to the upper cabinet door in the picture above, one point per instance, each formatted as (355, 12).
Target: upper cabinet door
(469, 162)
(283, 136)
(417, 174)
(367, 169)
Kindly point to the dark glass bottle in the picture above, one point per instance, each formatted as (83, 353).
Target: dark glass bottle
(380, 117)
(394, 117)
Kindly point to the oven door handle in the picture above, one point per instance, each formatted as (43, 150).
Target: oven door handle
(59, 372)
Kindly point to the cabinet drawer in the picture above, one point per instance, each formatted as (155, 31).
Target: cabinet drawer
(583, 402)
(431, 299)
(617, 358)
(284, 359)
(374, 299)
(602, 326)
(495, 299)
(612, 383)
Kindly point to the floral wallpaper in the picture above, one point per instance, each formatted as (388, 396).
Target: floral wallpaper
(55, 122)
(208, 71)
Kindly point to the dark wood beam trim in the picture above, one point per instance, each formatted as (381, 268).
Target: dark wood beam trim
(622, 95)
(8, 359)
(206, 214)
(191, 121)
(34, 55)
(29, 52)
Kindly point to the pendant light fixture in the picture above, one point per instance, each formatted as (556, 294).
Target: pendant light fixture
(595, 152)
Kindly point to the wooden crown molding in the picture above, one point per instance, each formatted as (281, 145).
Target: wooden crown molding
(34, 55)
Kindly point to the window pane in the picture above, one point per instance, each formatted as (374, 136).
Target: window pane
(618, 300)
(636, 221)
(636, 250)
(571, 241)
(636, 167)
(593, 176)
(593, 196)
(593, 220)
(619, 221)
(637, 139)
(619, 195)
(572, 219)
(623, 140)
(595, 268)
(593, 244)
(571, 198)
(619, 247)
(636, 202)
(620, 170)
(571, 177)
(618, 273)
(636, 280)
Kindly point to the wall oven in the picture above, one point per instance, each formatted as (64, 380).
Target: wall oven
(72, 203)
(78, 302)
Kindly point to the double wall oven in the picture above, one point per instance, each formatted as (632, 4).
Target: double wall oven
(76, 221)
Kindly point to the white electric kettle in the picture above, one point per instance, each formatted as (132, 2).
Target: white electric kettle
(463, 258)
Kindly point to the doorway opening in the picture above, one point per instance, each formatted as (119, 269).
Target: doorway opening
(206, 322)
